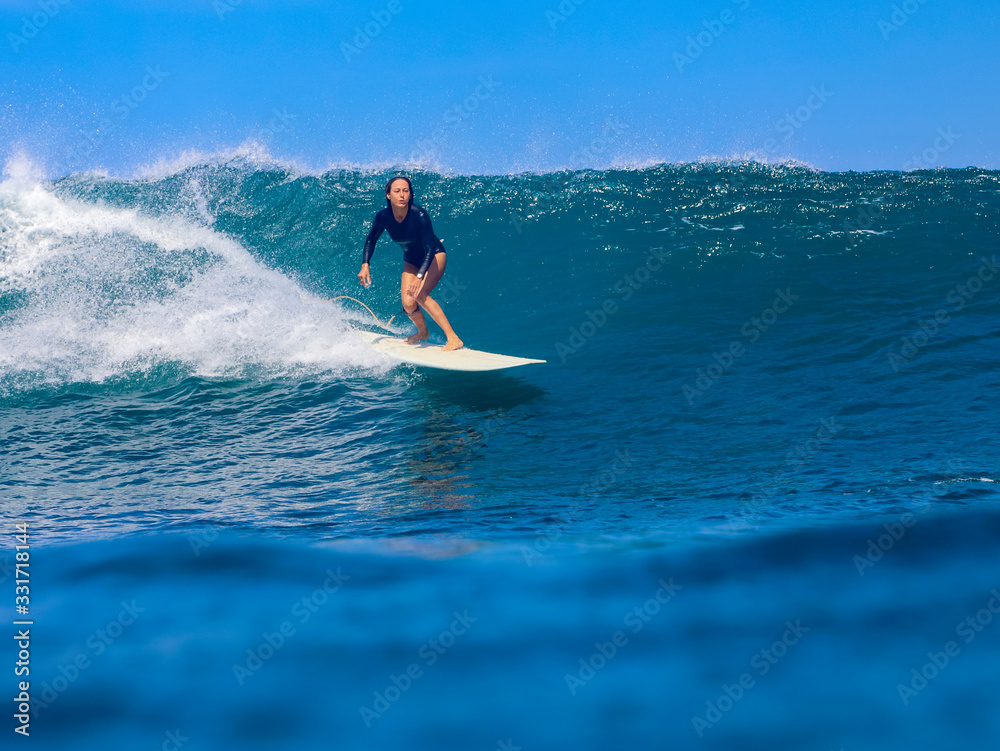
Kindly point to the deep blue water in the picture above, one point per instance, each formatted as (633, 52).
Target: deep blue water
(759, 466)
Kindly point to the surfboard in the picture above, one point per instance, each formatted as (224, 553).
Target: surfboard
(430, 355)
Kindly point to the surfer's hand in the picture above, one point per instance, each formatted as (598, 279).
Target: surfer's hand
(414, 287)
(364, 277)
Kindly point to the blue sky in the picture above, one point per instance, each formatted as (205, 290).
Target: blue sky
(500, 87)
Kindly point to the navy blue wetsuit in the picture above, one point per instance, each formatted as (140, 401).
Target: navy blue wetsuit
(414, 234)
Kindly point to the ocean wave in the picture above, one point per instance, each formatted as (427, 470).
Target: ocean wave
(93, 291)
(214, 263)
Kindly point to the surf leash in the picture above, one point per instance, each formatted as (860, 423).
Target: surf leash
(346, 297)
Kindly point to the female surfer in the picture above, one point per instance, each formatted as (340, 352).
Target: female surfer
(424, 258)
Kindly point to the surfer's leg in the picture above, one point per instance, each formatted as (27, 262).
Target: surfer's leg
(410, 306)
(434, 274)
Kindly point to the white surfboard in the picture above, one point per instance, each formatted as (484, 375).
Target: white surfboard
(431, 356)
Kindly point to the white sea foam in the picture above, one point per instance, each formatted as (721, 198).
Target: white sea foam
(252, 153)
(95, 292)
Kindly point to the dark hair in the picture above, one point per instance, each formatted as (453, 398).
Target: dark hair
(388, 187)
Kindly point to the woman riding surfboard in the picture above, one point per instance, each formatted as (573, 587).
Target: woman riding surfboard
(424, 258)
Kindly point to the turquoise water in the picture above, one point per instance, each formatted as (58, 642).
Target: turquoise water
(752, 490)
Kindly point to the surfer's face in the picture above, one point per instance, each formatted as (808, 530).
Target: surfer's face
(399, 194)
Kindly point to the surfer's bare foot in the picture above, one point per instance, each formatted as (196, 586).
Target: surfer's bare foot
(451, 344)
(420, 336)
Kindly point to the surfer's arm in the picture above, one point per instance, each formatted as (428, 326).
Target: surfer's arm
(428, 242)
(373, 235)
(364, 276)
(422, 271)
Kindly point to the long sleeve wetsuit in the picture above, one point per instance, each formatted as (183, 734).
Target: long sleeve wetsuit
(414, 234)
